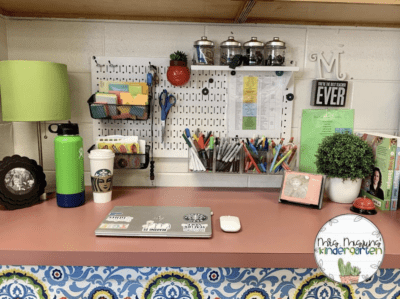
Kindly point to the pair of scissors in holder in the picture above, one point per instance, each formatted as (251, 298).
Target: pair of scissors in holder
(166, 102)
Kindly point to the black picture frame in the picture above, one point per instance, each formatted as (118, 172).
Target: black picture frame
(22, 182)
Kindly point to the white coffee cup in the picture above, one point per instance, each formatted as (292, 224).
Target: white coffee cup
(101, 172)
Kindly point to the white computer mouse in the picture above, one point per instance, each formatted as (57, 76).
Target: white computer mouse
(230, 224)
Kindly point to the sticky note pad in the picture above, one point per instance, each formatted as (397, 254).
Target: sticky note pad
(141, 99)
(135, 90)
(117, 93)
(106, 98)
(126, 98)
(118, 87)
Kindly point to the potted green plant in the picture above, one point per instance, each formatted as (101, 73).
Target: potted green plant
(346, 159)
(178, 73)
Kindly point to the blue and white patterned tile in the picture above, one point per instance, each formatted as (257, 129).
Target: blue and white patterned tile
(62, 282)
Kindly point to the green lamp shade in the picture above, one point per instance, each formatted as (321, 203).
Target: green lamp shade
(34, 91)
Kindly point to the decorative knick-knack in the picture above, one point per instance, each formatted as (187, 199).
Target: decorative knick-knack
(178, 73)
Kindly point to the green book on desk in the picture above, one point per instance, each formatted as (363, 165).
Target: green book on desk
(379, 186)
(315, 125)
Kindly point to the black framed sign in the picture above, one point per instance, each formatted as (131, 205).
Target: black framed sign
(22, 182)
(329, 93)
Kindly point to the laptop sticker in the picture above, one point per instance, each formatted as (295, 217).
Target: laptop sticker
(194, 227)
(114, 226)
(152, 226)
(119, 218)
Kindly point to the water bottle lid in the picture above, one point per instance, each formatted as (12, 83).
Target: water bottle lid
(65, 129)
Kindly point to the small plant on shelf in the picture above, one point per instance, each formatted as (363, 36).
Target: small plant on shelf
(178, 73)
(179, 56)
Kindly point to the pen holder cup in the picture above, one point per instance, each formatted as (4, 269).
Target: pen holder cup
(261, 159)
(229, 167)
(114, 111)
(282, 166)
(200, 163)
(131, 161)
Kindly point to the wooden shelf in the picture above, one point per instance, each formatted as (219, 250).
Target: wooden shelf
(367, 13)
(245, 68)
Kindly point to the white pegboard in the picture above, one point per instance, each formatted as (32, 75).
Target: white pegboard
(192, 110)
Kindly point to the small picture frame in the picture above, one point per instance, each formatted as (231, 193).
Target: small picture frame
(303, 188)
(22, 182)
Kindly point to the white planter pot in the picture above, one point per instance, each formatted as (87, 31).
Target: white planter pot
(343, 191)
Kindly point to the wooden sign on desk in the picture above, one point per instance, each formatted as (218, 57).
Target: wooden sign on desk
(329, 93)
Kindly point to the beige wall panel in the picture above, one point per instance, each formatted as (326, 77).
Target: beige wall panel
(71, 43)
(368, 54)
(150, 40)
(6, 137)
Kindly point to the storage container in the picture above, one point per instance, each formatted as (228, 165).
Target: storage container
(203, 51)
(229, 48)
(254, 52)
(275, 52)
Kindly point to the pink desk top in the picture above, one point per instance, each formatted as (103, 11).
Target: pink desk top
(272, 235)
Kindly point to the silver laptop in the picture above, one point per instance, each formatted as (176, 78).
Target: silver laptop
(157, 221)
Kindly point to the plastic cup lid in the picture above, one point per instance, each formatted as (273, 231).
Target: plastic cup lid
(101, 153)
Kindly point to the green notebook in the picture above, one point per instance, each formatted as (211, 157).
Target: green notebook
(315, 125)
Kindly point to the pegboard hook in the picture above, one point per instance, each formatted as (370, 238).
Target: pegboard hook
(112, 65)
(98, 64)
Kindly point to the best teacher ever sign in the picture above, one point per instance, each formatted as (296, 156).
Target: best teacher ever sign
(328, 93)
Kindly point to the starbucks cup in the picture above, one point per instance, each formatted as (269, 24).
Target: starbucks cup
(101, 172)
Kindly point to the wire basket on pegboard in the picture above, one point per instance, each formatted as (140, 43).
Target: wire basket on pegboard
(130, 160)
(115, 111)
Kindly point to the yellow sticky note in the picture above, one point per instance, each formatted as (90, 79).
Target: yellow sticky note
(126, 98)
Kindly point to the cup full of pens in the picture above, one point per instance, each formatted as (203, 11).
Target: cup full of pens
(212, 154)
(259, 155)
(264, 156)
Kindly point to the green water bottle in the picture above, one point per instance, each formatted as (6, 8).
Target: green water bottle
(68, 154)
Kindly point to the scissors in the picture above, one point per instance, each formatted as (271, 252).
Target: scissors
(166, 102)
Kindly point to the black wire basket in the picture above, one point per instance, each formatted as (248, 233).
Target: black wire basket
(115, 111)
(130, 161)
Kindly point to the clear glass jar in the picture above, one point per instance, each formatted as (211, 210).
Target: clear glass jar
(203, 51)
(254, 52)
(275, 52)
(229, 48)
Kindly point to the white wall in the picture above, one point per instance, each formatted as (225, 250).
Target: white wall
(371, 59)
(6, 128)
